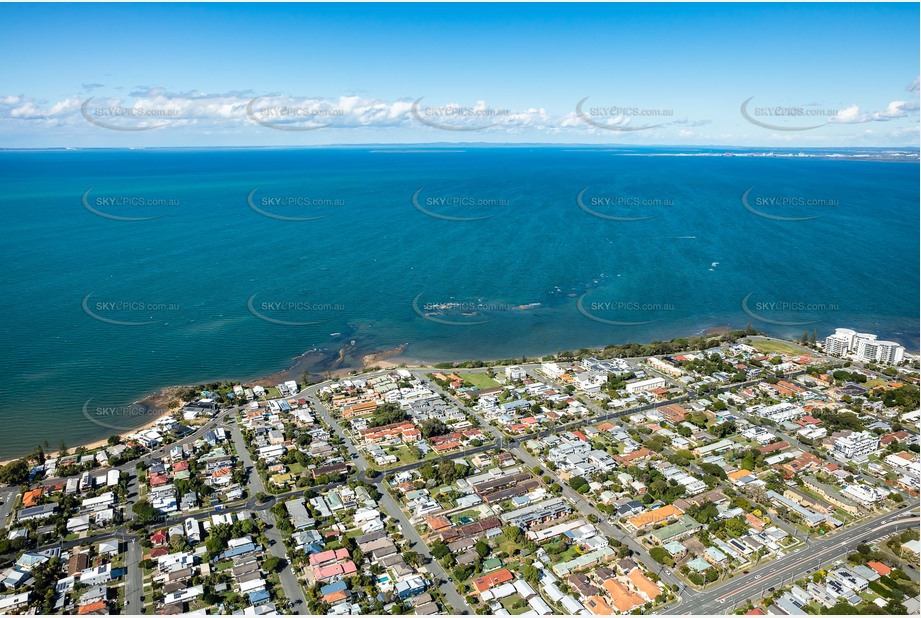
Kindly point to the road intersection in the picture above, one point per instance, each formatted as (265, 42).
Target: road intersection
(718, 599)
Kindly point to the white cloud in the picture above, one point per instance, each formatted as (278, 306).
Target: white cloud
(895, 109)
(848, 115)
(148, 106)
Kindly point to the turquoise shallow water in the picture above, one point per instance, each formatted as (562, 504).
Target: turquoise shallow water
(372, 266)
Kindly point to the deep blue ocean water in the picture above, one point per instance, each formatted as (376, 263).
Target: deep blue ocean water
(373, 262)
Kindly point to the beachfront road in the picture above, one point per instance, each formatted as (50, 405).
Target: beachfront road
(9, 497)
(724, 598)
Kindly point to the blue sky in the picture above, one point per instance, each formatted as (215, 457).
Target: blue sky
(97, 75)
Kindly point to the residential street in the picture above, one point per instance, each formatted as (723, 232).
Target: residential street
(289, 582)
(134, 579)
(393, 509)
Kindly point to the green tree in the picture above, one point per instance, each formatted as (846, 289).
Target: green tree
(713, 470)
(145, 511)
(15, 472)
(530, 573)
(579, 484)
(271, 564)
(433, 427)
(660, 555)
(440, 550)
(386, 414)
(724, 429)
(513, 534)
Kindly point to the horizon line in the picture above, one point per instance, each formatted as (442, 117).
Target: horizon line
(467, 144)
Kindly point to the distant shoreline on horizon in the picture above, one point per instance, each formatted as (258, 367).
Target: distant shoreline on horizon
(853, 153)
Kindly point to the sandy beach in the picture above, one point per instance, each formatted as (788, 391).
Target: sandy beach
(157, 400)
(316, 362)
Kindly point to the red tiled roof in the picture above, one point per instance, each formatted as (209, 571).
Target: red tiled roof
(491, 580)
(879, 567)
(339, 595)
(92, 607)
(30, 498)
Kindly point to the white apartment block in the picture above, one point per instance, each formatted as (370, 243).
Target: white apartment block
(779, 412)
(863, 347)
(857, 445)
(643, 386)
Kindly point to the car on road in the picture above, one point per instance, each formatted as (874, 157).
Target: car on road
(744, 572)
(771, 589)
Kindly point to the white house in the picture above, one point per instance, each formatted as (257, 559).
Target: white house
(643, 386)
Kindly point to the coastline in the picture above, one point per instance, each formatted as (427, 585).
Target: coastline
(311, 359)
(333, 365)
(155, 400)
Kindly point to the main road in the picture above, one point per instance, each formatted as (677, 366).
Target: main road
(783, 571)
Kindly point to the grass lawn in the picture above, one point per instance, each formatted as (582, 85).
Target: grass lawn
(472, 515)
(571, 553)
(404, 454)
(223, 566)
(775, 347)
(351, 534)
(296, 469)
(504, 545)
(843, 515)
(480, 380)
(813, 608)
(515, 604)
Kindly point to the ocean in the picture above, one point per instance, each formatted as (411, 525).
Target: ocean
(126, 271)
